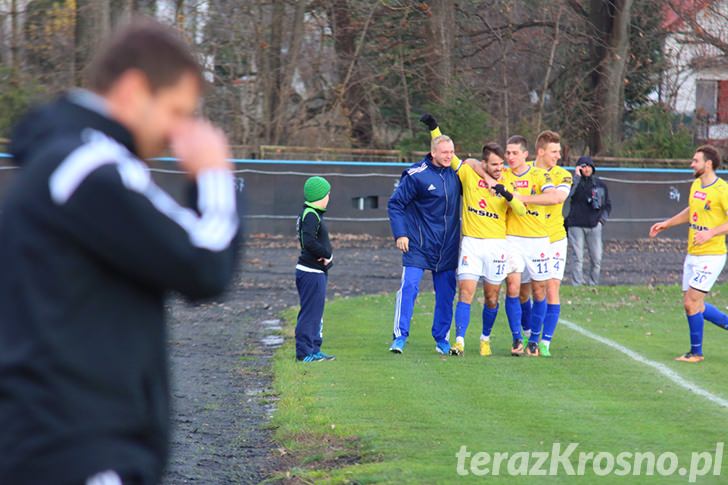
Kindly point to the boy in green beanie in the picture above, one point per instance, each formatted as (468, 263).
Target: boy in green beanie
(312, 270)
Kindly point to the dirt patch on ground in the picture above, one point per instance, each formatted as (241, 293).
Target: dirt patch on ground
(221, 351)
(322, 453)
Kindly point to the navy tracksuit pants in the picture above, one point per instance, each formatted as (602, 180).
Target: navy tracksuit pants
(445, 283)
(309, 325)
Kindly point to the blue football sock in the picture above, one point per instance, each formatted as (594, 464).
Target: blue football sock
(715, 316)
(489, 315)
(550, 321)
(462, 318)
(526, 314)
(513, 312)
(696, 333)
(538, 313)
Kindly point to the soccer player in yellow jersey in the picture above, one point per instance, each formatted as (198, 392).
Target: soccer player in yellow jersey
(548, 153)
(484, 253)
(528, 239)
(707, 219)
(483, 250)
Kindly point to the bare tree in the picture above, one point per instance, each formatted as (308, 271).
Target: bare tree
(351, 93)
(611, 20)
(441, 34)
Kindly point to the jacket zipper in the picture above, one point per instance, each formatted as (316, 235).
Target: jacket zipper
(444, 216)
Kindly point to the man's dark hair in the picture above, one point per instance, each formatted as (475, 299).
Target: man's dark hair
(493, 148)
(144, 44)
(710, 153)
(518, 140)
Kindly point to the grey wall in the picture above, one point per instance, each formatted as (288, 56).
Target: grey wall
(272, 194)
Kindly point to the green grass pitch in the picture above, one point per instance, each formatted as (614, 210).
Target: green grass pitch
(375, 417)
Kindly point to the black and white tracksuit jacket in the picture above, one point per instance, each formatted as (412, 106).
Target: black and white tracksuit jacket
(89, 246)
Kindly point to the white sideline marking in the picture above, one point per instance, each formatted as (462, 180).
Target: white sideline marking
(661, 368)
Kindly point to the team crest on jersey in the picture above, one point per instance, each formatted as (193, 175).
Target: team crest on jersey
(482, 204)
(700, 195)
(482, 184)
(521, 184)
(707, 205)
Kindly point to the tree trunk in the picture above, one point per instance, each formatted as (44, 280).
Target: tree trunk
(442, 38)
(119, 11)
(611, 19)
(145, 7)
(546, 78)
(14, 37)
(86, 33)
(405, 93)
(288, 70)
(275, 51)
(348, 40)
(105, 18)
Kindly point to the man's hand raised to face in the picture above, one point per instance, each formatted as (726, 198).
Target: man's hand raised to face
(200, 146)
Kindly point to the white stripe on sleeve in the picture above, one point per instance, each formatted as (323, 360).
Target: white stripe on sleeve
(213, 229)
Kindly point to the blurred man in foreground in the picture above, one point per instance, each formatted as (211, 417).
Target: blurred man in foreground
(89, 247)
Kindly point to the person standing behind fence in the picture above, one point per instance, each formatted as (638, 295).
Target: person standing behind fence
(312, 270)
(588, 212)
(89, 248)
(424, 213)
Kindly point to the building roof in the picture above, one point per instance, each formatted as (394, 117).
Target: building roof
(676, 10)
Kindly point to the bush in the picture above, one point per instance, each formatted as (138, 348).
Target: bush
(16, 96)
(468, 125)
(655, 132)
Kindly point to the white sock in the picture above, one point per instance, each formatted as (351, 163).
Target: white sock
(526, 334)
(485, 338)
(460, 340)
(547, 343)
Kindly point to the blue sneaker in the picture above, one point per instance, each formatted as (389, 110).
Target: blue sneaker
(398, 344)
(325, 356)
(443, 347)
(312, 358)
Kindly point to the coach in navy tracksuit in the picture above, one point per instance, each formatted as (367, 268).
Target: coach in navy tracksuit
(424, 213)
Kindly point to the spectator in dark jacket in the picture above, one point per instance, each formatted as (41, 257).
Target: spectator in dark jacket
(89, 247)
(589, 210)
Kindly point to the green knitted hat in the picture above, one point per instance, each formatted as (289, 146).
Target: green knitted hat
(316, 188)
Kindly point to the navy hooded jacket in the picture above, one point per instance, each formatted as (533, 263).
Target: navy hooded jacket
(425, 207)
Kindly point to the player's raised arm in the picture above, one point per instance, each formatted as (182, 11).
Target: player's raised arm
(432, 125)
(681, 217)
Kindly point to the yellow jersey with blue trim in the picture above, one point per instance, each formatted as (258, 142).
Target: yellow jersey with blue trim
(708, 208)
(562, 180)
(531, 181)
(484, 213)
